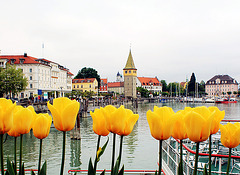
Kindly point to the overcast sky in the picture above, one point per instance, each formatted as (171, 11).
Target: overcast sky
(169, 39)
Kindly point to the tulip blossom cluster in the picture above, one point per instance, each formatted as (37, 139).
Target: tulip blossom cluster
(17, 120)
(194, 123)
(115, 120)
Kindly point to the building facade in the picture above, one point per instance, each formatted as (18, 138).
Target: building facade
(45, 78)
(86, 84)
(103, 85)
(151, 84)
(116, 87)
(221, 85)
(130, 78)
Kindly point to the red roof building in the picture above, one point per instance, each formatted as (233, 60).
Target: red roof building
(149, 83)
(116, 87)
(103, 86)
(43, 76)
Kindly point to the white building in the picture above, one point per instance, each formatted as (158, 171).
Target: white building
(45, 78)
(221, 85)
(151, 84)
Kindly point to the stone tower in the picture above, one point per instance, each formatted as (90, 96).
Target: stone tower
(130, 78)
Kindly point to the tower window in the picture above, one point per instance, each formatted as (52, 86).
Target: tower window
(125, 72)
(129, 71)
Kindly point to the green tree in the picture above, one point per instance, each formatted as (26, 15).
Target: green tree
(88, 73)
(164, 85)
(144, 92)
(12, 81)
(192, 84)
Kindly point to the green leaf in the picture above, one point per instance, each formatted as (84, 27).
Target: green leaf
(90, 168)
(10, 169)
(43, 170)
(116, 167)
(102, 173)
(180, 169)
(22, 170)
(121, 171)
(205, 170)
(103, 149)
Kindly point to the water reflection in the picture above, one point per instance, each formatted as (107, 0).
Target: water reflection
(140, 149)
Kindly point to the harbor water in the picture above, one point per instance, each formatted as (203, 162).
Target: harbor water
(140, 149)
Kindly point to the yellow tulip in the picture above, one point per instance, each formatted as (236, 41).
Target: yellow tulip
(31, 108)
(13, 133)
(6, 115)
(99, 123)
(179, 129)
(129, 119)
(22, 119)
(120, 121)
(230, 135)
(218, 117)
(161, 122)
(64, 112)
(198, 123)
(108, 114)
(41, 126)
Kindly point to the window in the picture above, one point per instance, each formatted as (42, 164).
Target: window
(125, 72)
(81, 86)
(129, 71)
(77, 86)
(30, 70)
(90, 86)
(30, 78)
(31, 86)
(73, 86)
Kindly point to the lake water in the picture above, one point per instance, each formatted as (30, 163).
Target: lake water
(140, 149)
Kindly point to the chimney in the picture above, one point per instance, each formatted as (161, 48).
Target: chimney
(25, 55)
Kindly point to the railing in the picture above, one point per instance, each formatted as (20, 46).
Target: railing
(109, 171)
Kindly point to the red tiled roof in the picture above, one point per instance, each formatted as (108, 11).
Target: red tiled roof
(69, 73)
(182, 84)
(148, 81)
(104, 80)
(27, 59)
(83, 80)
(115, 84)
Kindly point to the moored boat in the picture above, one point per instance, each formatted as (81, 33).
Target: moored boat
(226, 100)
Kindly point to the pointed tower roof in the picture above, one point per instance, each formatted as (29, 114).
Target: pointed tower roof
(130, 63)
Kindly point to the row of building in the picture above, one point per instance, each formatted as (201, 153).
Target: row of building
(50, 79)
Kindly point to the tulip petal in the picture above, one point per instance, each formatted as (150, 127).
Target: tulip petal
(70, 113)
(57, 118)
(194, 123)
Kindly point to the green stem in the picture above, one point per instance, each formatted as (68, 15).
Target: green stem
(20, 160)
(95, 163)
(1, 149)
(63, 152)
(160, 157)
(15, 155)
(113, 152)
(40, 156)
(196, 159)
(210, 154)
(181, 157)
(120, 150)
(229, 160)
